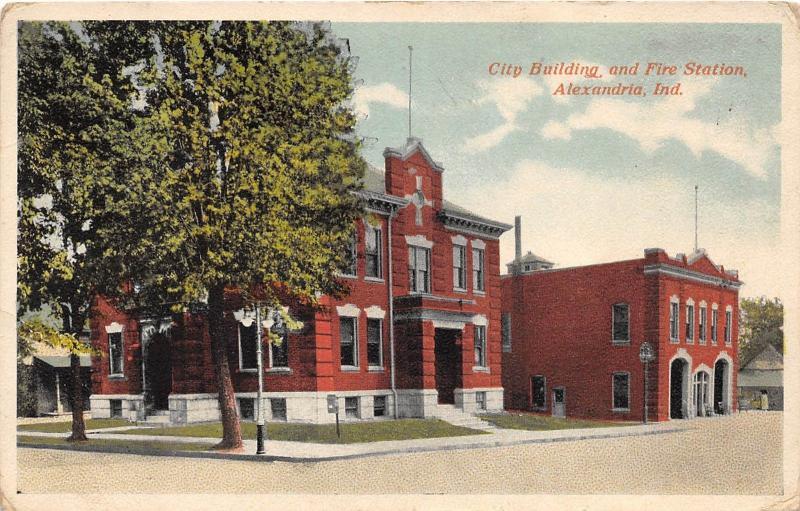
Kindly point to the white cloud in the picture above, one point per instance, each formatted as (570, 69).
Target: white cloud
(574, 218)
(383, 93)
(651, 124)
(511, 97)
(553, 130)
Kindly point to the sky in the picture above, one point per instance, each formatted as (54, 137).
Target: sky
(596, 178)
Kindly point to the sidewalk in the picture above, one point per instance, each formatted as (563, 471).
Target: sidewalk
(308, 452)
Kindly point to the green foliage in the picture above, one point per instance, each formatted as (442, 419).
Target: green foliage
(760, 324)
(26, 391)
(35, 331)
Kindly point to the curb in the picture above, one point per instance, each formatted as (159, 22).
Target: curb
(337, 457)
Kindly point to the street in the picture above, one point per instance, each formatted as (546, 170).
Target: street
(740, 454)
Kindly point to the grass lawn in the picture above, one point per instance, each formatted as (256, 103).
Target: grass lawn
(403, 429)
(132, 445)
(66, 427)
(532, 422)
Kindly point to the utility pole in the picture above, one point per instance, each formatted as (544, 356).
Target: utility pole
(695, 218)
(410, 51)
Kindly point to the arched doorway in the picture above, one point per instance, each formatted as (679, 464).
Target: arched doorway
(701, 397)
(721, 386)
(158, 372)
(677, 388)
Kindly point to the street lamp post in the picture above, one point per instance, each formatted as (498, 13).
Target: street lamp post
(646, 355)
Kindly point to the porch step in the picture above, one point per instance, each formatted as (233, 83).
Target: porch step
(457, 417)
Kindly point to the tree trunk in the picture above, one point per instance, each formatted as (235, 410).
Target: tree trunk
(231, 430)
(76, 400)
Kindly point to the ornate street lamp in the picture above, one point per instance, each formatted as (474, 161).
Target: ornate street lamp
(646, 355)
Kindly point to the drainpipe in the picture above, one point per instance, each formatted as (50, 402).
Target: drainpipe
(391, 315)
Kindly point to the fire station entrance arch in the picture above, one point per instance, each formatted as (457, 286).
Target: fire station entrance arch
(678, 388)
(447, 350)
(722, 382)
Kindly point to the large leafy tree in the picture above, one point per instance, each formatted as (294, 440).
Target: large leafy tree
(74, 127)
(760, 324)
(249, 162)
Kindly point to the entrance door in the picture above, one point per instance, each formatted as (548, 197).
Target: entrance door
(559, 402)
(676, 389)
(701, 393)
(720, 398)
(158, 371)
(447, 351)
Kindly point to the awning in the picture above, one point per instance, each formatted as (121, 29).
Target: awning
(63, 361)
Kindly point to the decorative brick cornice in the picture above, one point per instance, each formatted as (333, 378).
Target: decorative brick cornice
(468, 224)
(682, 273)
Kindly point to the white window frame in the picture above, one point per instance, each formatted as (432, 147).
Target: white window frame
(728, 325)
(378, 230)
(702, 324)
(714, 324)
(243, 369)
(379, 365)
(484, 363)
(358, 407)
(415, 272)
(354, 319)
(628, 376)
(628, 332)
(478, 284)
(674, 320)
(121, 371)
(689, 332)
(462, 269)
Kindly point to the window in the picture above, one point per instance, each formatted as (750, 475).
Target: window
(115, 354)
(278, 406)
(279, 353)
(351, 407)
(351, 269)
(728, 326)
(480, 346)
(480, 400)
(373, 251)
(714, 319)
(620, 323)
(689, 323)
(247, 408)
(477, 269)
(459, 267)
(621, 391)
(374, 344)
(116, 408)
(348, 336)
(419, 260)
(673, 321)
(538, 392)
(505, 331)
(248, 359)
(701, 324)
(379, 406)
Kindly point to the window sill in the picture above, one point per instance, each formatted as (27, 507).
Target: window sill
(480, 369)
(344, 276)
(375, 369)
(619, 342)
(116, 376)
(350, 369)
(674, 341)
(621, 410)
(279, 370)
(478, 293)
(690, 341)
(253, 371)
(376, 280)
(459, 290)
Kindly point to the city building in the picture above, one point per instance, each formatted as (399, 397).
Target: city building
(572, 337)
(418, 335)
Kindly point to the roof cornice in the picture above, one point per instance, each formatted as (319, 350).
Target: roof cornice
(381, 202)
(683, 273)
(460, 222)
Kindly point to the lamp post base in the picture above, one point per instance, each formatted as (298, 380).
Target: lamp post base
(260, 439)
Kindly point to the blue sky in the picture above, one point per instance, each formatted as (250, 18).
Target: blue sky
(595, 178)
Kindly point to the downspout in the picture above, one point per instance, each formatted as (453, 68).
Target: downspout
(391, 315)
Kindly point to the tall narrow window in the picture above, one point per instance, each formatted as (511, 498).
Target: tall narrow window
(279, 354)
(621, 391)
(247, 347)
(728, 327)
(480, 346)
(374, 344)
(352, 268)
(477, 269)
(673, 321)
(689, 323)
(373, 246)
(459, 267)
(620, 323)
(506, 331)
(714, 321)
(348, 337)
(115, 353)
(538, 392)
(419, 277)
(701, 325)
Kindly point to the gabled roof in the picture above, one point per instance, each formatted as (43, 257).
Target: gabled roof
(768, 359)
(530, 257)
(63, 361)
(412, 146)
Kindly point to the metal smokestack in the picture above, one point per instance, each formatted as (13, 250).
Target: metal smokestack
(517, 242)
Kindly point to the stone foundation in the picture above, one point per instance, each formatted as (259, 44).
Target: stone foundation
(132, 406)
(465, 399)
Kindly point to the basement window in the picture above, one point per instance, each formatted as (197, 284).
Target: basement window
(278, 406)
(379, 406)
(116, 408)
(480, 400)
(247, 408)
(351, 407)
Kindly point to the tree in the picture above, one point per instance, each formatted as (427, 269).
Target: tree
(760, 324)
(249, 161)
(74, 126)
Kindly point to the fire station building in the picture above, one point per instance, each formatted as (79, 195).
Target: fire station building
(417, 336)
(571, 337)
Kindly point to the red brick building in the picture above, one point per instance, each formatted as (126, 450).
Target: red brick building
(571, 337)
(417, 336)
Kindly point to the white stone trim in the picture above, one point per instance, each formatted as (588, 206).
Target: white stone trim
(348, 310)
(689, 301)
(714, 306)
(459, 240)
(418, 240)
(374, 312)
(480, 320)
(686, 384)
(114, 328)
(449, 324)
(479, 244)
(702, 303)
(729, 308)
(727, 388)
